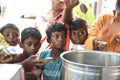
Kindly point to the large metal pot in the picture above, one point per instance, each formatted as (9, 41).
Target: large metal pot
(90, 65)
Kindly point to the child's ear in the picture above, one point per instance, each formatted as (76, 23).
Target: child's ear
(21, 46)
(48, 40)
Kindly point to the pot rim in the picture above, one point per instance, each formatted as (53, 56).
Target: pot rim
(87, 65)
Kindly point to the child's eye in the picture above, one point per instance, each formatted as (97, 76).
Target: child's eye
(7, 35)
(73, 33)
(55, 36)
(15, 35)
(29, 44)
(80, 33)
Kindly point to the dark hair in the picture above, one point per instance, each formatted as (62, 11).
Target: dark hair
(30, 32)
(117, 7)
(9, 25)
(56, 26)
(79, 23)
(83, 8)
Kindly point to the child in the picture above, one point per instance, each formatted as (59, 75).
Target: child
(30, 42)
(56, 36)
(11, 33)
(78, 31)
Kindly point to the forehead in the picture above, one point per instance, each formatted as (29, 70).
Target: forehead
(32, 40)
(12, 30)
(58, 33)
(77, 29)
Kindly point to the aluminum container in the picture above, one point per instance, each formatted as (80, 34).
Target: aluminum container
(90, 65)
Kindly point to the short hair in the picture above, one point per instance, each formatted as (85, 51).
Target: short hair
(30, 32)
(117, 7)
(9, 25)
(79, 23)
(56, 26)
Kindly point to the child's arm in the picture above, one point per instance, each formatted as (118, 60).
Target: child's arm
(32, 61)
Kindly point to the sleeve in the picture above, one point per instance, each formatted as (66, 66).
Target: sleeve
(96, 27)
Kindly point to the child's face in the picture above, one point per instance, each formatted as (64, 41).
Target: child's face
(31, 46)
(78, 36)
(12, 36)
(58, 40)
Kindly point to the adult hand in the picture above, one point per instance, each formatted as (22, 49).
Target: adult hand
(70, 4)
(99, 45)
(110, 32)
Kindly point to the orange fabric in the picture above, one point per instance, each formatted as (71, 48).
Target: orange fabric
(67, 38)
(97, 26)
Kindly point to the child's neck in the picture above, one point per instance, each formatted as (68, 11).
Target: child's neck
(55, 53)
(25, 55)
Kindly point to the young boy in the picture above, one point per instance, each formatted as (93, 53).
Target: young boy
(30, 42)
(78, 31)
(56, 36)
(11, 33)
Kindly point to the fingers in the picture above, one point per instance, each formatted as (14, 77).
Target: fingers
(71, 3)
(99, 45)
(33, 56)
(6, 59)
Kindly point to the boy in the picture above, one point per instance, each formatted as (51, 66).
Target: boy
(30, 42)
(11, 33)
(78, 32)
(56, 36)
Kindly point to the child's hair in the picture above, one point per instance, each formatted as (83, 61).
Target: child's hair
(117, 6)
(9, 25)
(56, 26)
(30, 32)
(79, 23)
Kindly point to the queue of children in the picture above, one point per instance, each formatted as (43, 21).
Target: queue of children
(56, 35)
(30, 43)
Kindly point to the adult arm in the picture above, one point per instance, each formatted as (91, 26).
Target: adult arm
(110, 32)
(67, 12)
(96, 27)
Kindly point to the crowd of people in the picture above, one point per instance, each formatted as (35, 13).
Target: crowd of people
(57, 32)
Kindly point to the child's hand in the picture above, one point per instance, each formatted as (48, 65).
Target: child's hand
(4, 58)
(30, 76)
(37, 72)
(32, 61)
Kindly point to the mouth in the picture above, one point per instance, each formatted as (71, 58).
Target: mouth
(11, 42)
(61, 45)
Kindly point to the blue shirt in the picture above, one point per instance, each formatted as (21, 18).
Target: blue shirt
(53, 69)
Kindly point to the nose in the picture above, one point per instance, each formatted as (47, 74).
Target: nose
(77, 38)
(60, 38)
(77, 35)
(32, 47)
(10, 35)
